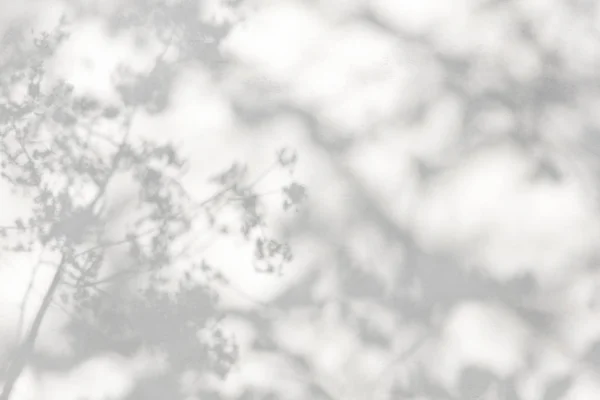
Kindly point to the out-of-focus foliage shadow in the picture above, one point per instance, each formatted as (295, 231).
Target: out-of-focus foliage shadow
(444, 280)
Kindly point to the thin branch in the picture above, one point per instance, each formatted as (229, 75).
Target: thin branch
(404, 355)
(110, 278)
(260, 177)
(37, 176)
(16, 228)
(114, 163)
(196, 206)
(27, 295)
(18, 364)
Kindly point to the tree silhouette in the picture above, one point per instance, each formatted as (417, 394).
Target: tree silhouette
(110, 212)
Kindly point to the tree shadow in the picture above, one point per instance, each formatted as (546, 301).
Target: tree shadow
(114, 280)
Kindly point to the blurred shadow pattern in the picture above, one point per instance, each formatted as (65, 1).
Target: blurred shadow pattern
(445, 243)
